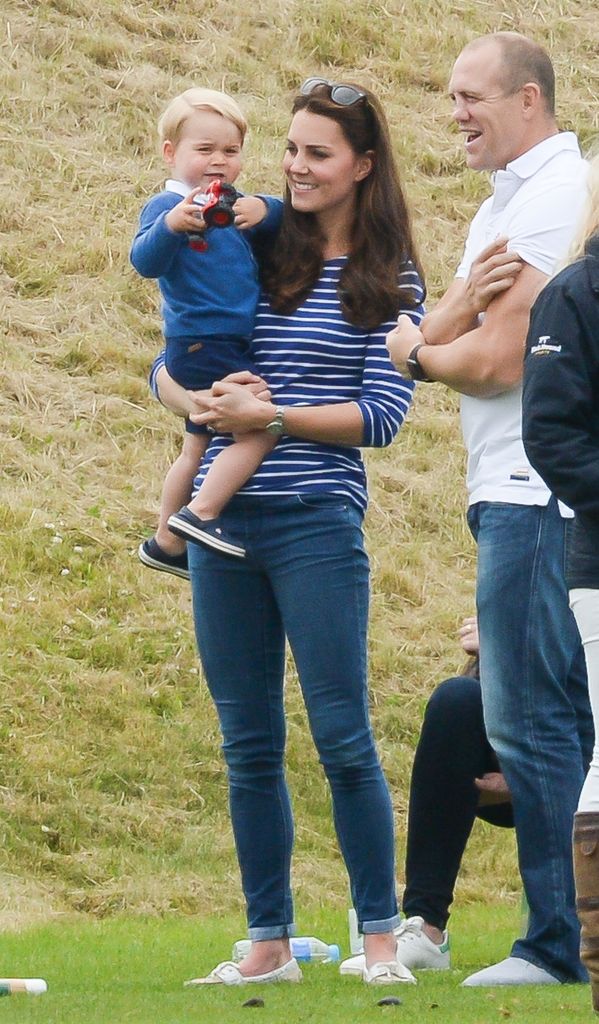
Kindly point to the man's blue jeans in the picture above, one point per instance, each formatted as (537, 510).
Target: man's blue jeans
(537, 712)
(305, 577)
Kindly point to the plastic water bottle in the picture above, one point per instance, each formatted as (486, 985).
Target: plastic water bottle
(307, 949)
(32, 986)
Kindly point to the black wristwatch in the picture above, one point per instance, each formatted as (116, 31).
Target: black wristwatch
(414, 368)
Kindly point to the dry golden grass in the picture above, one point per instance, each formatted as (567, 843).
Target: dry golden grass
(112, 793)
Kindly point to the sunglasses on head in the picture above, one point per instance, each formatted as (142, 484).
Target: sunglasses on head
(343, 95)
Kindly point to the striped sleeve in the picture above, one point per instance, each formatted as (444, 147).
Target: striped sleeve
(386, 395)
(157, 365)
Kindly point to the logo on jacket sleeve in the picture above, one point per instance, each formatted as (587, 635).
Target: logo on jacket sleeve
(545, 346)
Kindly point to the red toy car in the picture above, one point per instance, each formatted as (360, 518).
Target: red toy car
(217, 211)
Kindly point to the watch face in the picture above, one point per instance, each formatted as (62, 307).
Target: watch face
(276, 426)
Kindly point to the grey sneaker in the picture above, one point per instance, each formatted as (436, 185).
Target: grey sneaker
(511, 971)
(414, 950)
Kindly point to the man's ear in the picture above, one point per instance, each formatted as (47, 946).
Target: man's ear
(531, 98)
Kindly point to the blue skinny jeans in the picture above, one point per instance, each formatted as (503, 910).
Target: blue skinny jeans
(305, 578)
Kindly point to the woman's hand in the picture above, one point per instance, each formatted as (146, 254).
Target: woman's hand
(468, 634)
(400, 342)
(256, 384)
(234, 409)
(200, 402)
(493, 789)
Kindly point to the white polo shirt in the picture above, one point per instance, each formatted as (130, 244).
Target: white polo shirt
(536, 202)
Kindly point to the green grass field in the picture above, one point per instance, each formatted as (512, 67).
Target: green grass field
(132, 970)
(112, 790)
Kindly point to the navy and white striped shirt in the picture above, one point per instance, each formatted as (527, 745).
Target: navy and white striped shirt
(315, 357)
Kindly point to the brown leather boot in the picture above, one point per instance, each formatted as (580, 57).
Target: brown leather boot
(586, 876)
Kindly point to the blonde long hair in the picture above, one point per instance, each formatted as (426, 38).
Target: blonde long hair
(589, 223)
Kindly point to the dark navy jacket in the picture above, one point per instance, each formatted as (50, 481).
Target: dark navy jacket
(561, 391)
(561, 384)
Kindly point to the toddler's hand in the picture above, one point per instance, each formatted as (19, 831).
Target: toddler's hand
(186, 216)
(249, 211)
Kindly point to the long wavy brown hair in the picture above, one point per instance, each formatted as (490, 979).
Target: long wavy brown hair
(381, 235)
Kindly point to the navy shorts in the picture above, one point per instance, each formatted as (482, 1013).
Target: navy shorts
(196, 363)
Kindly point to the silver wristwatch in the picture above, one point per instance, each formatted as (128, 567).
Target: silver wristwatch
(277, 426)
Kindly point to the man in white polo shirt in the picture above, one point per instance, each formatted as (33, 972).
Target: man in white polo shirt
(532, 669)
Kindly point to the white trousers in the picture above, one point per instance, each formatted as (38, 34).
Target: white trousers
(584, 602)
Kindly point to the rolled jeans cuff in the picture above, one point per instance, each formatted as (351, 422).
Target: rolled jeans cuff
(389, 924)
(276, 931)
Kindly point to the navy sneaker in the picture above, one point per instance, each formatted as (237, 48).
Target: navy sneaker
(204, 531)
(152, 555)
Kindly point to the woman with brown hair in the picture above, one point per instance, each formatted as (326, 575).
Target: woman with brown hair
(343, 268)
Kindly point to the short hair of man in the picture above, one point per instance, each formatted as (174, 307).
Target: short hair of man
(182, 106)
(523, 61)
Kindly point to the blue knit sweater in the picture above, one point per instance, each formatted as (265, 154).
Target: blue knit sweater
(204, 294)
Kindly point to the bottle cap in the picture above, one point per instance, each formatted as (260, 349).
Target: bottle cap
(35, 986)
(334, 953)
(300, 948)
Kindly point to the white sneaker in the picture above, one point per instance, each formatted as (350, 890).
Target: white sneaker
(414, 950)
(417, 951)
(511, 971)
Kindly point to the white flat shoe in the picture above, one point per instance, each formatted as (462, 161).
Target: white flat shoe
(228, 973)
(390, 973)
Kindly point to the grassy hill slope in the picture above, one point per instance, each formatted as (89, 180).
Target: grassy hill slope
(112, 793)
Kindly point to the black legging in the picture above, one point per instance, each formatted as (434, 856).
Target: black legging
(452, 751)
